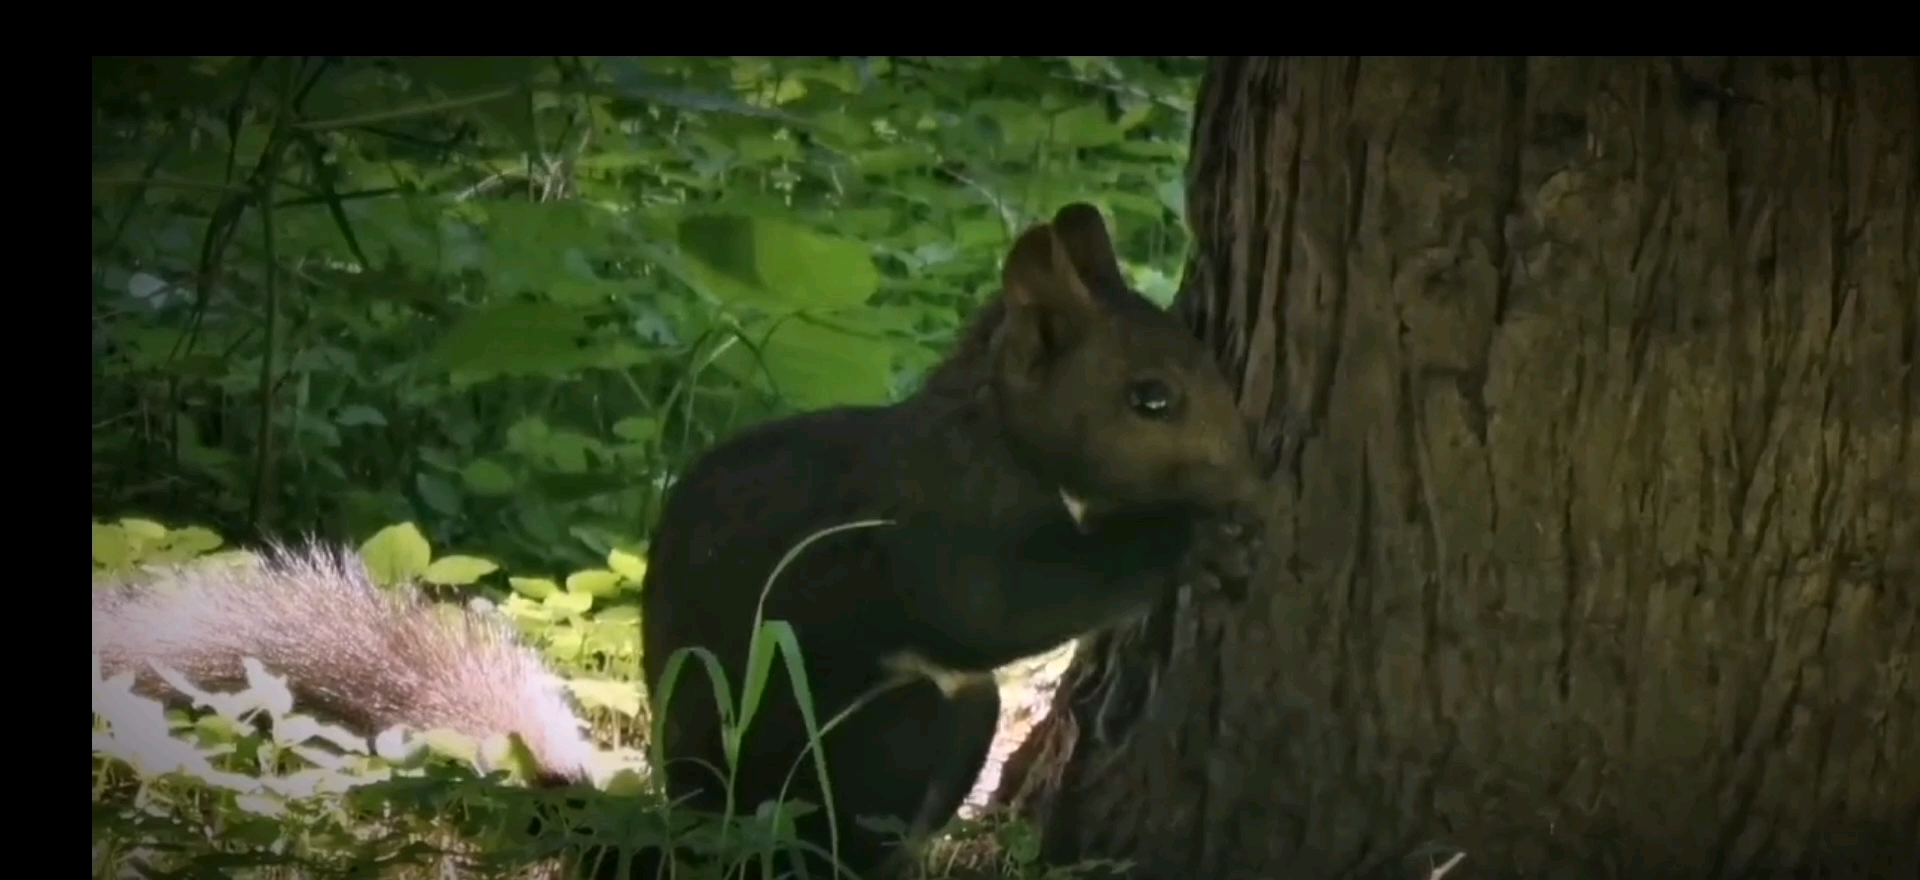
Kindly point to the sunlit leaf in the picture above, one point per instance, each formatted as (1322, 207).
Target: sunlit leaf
(397, 553)
(458, 570)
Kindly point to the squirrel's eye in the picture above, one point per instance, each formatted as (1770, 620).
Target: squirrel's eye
(1150, 398)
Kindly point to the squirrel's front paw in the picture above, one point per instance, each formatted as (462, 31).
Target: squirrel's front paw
(1225, 552)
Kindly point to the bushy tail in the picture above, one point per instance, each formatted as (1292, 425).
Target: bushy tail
(365, 657)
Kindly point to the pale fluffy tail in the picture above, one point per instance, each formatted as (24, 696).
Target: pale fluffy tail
(365, 657)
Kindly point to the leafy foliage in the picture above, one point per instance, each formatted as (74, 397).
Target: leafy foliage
(506, 298)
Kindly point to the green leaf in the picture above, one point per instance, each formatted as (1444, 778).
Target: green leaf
(620, 696)
(112, 549)
(628, 782)
(630, 566)
(618, 616)
(444, 459)
(404, 229)
(569, 604)
(1085, 126)
(1139, 208)
(458, 570)
(547, 247)
(1173, 194)
(515, 339)
(193, 540)
(438, 493)
(358, 414)
(533, 588)
(594, 582)
(764, 259)
(527, 434)
(143, 529)
(484, 476)
(637, 429)
(397, 554)
(812, 365)
(1022, 126)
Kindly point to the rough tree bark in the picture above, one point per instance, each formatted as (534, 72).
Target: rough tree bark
(1597, 502)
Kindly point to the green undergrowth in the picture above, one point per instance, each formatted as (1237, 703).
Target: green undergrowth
(508, 298)
(214, 792)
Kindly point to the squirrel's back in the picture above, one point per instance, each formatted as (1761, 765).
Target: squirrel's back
(352, 652)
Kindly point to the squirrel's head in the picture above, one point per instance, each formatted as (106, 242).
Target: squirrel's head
(1118, 401)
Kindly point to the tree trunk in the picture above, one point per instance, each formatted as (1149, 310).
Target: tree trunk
(1596, 511)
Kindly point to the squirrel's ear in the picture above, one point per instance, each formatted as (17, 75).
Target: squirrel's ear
(1083, 234)
(1048, 307)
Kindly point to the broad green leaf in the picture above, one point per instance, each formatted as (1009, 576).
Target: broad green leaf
(548, 248)
(569, 603)
(812, 365)
(842, 75)
(397, 554)
(628, 782)
(617, 617)
(1173, 194)
(1085, 126)
(112, 550)
(1138, 208)
(458, 570)
(893, 159)
(842, 131)
(193, 540)
(620, 696)
(444, 459)
(143, 529)
(526, 435)
(516, 339)
(637, 428)
(773, 260)
(630, 566)
(484, 476)
(437, 492)
(1022, 126)
(533, 588)
(595, 582)
(981, 232)
(566, 452)
(406, 229)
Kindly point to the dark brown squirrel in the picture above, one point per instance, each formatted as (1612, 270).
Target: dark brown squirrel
(1075, 457)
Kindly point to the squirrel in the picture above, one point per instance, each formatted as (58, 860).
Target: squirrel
(1076, 456)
